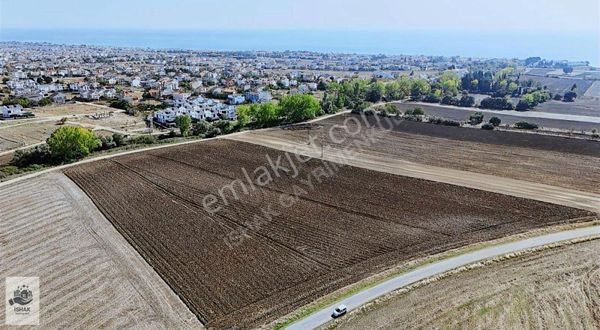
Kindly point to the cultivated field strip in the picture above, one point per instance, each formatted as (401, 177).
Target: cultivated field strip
(570, 165)
(350, 225)
(89, 275)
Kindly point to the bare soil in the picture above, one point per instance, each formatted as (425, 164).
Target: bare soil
(90, 277)
(238, 267)
(562, 162)
(553, 289)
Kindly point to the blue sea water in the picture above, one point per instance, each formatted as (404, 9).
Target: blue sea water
(557, 46)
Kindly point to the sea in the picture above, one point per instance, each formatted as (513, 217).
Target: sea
(471, 43)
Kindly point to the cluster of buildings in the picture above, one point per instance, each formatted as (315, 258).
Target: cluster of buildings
(203, 84)
(198, 108)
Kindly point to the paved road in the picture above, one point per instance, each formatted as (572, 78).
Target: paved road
(323, 316)
(393, 165)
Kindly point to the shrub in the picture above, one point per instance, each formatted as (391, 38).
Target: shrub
(201, 127)
(144, 139)
(36, 155)
(496, 103)
(522, 106)
(120, 104)
(119, 139)
(569, 96)
(525, 125)
(212, 132)
(445, 122)
(225, 126)
(476, 118)
(44, 102)
(169, 135)
(487, 126)
(432, 98)
(495, 121)
(449, 100)
(107, 142)
(69, 143)
(558, 97)
(466, 101)
(369, 112)
(418, 112)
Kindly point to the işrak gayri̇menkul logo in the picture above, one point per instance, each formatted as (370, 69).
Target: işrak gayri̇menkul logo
(22, 296)
(23, 300)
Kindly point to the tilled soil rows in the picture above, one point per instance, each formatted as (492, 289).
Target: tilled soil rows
(279, 232)
(557, 161)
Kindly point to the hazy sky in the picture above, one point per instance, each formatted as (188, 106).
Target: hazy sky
(483, 15)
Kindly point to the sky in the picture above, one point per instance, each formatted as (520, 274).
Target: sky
(581, 16)
(553, 29)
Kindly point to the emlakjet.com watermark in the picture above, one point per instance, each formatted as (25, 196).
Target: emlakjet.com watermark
(22, 300)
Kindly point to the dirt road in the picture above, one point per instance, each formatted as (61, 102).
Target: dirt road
(531, 190)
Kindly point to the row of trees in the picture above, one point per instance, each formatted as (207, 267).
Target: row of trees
(358, 94)
(290, 109)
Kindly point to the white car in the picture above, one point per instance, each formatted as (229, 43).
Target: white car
(339, 311)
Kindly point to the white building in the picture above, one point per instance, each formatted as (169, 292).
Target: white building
(59, 98)
(165, 116)
(236, 99)
(12, 110)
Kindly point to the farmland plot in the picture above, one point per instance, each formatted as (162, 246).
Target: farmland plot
(89, 276)
(247, 260)
(556, 161)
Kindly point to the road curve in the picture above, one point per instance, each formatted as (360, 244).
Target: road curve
(324, 315)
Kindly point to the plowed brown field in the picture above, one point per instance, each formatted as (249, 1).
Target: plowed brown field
(557, 161)
(340, 228)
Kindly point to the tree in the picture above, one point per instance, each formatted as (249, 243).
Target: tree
(466, 101)
(420, 88)
(201, 127)
(69, 143)
(322, 85)
(569, 96)
(567, 69)
(414, 112)
(476, 118)
(119, 139)
(522, 106)
(449, 100)
(495, 121)
(183, 123)
(393, 91)
(44, 102)
(375, 91)
(298, 107)
(449, 82)
(120, 104)
(497, 103)
(225, 126)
